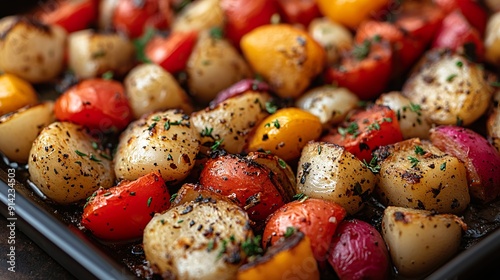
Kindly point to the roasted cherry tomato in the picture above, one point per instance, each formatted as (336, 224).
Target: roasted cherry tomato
(172, 52)
(298, 11)
(132, 17)
(365, 70)
(457, 34)
(366, 130)
(316, 218)
(95, 103)
(15, 93)
(122, 212)
(252, 185)
(410, 32)
(242, 16)
(475, 14)
(350, 13)
(285, 133)
(72, 15)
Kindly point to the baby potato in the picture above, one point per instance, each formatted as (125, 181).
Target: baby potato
(412, 122)
(161, 141)
(149, 88)
(449, 88)
(91, 54)
(15, 93)
(65, 166)
(227, 125)
(328, 171)
(493, 121)
(30, 49)
(492, 39)
(330, 104)
(416, 174)
(199, 15)
(334, 37)
(419, 241)
(201, 239)
(214, 65)
(283, 133)
(21, 128)
(286, 57)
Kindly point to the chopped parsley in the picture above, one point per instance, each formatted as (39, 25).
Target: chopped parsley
(362, 50)
(169, 157)
(172, 198)
(459, 64)
(271, 108)
(282, 163)
(372, 165)
(216, 144)
(108, 75)
(93, 158)
(319, 149)
(152, 126)
(460, 122)
(207, 132)
(80, 153)
(251, 246)
(443, 166)
(149, 201)
(352, 129)
(289, 232)
(276, 123)
(419, 150)
(451, 77)
(300, 197)
(210, 245)
(140, 45)
(413, 160)
(216, 32)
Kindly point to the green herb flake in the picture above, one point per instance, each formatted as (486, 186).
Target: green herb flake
(108, 75)
(94, 158)
(172, 198)
(361, 51)
(140, 45)
(78, 162)
(106, 156)
(319, 149)
(451, 77)
(459, 64)
(210, 245)
(207, 132)
(495, 84)
(352, 129)
(222, 249)
(267, 125)
(460, 122)
(80, 153)
(389, 120)
(414, 108)
(180, 221)
(107, 194)
(216, 32)
(216, 144)
(372, 165)
(251, 246)
(149, 201)
(300, 197)
(90, 199)
(282, 163)
(271, 108)
(443, 166)
(276, 123)
(169, 157)
(156, 118)
(289, 232)
(419, 150)
(95, 146)
(152, 126)
(374, 126)
(413, 160)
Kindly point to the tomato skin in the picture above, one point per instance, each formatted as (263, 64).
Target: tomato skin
(122, 212)
(245, 180)
(411, 32)
(172, 52)
(475, 14)
(95, 103)
(72, 15)
(457, 32)
(298, 11)
(316, 218)
(368, 136)
(242, 16)
(367, 77)
(132, 17)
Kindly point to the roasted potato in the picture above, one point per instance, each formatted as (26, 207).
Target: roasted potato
(161, 141)
(65, 165)
(199, 15)
(149, 88)
(329, 172)
(21, 128)
(416, 174)
(493, 121)
(449, 88)
(334, 37)
(91, 54)
(420, 241)
(492, 39)
(30, 49)
(201, 239)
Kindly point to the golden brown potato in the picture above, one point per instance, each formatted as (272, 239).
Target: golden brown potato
(150, 88)
(448, 88)
(65, 166)
(416, 174)
(200, 239)
(493, 122)
(334, 37)
(21, 128)
(330, 172)
(199, 15)
(419, 241)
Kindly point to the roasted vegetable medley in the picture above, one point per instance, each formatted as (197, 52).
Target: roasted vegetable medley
(263, 139)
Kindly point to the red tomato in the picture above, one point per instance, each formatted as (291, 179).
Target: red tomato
(122, 212)
(172, 52)
(251, 184)
(316, 218)
(72, 15)
(410, 32)
(457, 34)
(365, 70)
(133, 16)
(298, 11)
(366, 130)
(475, 14)
(95, 103)
(243, 16)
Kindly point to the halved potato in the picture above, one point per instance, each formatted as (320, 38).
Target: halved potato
(21, 128)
